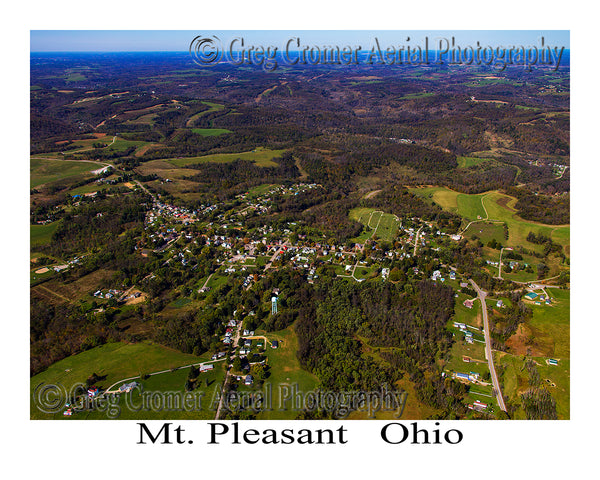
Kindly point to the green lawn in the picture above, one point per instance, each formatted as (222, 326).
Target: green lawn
(180, 302)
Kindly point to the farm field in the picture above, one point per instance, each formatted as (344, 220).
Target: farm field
(500, 207)
(43, 171)
(262, 157)
(546, 335)
(468, 206)
(56, 292)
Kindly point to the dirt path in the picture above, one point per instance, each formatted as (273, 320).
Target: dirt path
(42, 287)
(371, 194)
(205, 283)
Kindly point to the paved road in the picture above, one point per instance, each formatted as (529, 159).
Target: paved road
(280, 250)
(488, 346)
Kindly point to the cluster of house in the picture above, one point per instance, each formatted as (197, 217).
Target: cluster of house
(159, 209)
(108, 294)
(538, 299)
(437, 275)
(229, 332)
(463, 329)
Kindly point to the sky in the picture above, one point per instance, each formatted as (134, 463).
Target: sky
(179, 40)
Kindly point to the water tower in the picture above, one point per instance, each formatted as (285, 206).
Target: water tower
(273, 305)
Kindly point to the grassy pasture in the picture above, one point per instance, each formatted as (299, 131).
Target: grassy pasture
(116, 361)
(45, 171)
(211, 132)
(41, 234)
(262, 157)
(466, 162)
(383, 225)
(285, 371)
(486, 231)
(499, 207)
(214, 107)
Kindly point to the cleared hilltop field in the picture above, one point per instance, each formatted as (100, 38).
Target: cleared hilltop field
(262, 157)
(380, 224)
(44, 171)
(495, 206)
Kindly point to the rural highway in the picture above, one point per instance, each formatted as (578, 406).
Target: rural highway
(488, 346)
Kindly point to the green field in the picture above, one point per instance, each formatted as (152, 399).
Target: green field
(550, 329)
(116, 361)
(42, 234)
(285, 371)
(466, 162)
(75, 77)
(382, 225)
(210, 132)
(486, 232)
(122, 144)
(45, 171)
(90, 188)
(499, 207)
(410, 96)
(214, 107)
(261, 189)
(262, 157)
(468, 206)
